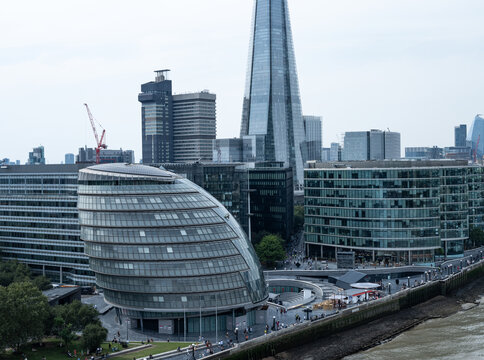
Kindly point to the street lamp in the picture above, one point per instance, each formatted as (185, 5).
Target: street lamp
(184, 300)
(389, 288)
(128, 322)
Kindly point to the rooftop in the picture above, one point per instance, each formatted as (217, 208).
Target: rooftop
(386, 164)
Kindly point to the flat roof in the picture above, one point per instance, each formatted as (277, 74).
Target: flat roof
(60, 292)
(386, 164)
(41, 169)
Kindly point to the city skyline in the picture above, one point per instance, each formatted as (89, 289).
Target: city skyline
(360, 64)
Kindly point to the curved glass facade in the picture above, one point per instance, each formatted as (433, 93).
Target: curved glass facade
(405, 208)
(372, 209)
(160, 244)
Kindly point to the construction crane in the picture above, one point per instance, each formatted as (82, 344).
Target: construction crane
(99, 142)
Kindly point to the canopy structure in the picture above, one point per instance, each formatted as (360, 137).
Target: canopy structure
(337, 297)
(365, 285)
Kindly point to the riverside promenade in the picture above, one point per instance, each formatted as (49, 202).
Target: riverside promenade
(428, 275)
(309, 331)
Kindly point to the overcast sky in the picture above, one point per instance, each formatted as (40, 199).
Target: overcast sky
(414, 66)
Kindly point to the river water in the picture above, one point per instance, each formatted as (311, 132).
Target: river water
(459, 336)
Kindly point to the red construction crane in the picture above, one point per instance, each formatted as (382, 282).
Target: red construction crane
(475, 149)
(99, 142)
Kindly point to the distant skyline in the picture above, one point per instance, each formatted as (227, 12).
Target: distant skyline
(413, 66)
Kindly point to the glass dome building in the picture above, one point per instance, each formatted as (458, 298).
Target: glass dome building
(167, 254)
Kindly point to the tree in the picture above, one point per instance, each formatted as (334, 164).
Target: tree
(257, 237)
(13, 271)
(42, 283)
(24, 312)
(476, 237)
(298, 218)
(66, 334)
(93, 335)
(76, 314)
(3, 315)
(270, 250)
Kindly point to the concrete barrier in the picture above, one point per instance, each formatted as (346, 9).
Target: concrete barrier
(306, 332)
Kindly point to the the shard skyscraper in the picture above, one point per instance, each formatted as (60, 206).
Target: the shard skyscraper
(272, 116)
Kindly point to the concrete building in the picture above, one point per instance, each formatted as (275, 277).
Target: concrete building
(39, 221)
(36, 157)
(194, 126)
(176, 128)
(167, 254)
(272, 104)
(313, 136)
(392, 211)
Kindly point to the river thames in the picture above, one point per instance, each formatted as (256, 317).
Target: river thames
(459, 336)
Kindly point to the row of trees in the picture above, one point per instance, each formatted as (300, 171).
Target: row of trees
(476, 238)
(26, 315)
(13, 271)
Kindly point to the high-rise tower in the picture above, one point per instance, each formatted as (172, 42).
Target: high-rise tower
(272, 105)
(157, 119)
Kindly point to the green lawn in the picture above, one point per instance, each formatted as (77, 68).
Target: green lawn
(52, 351)
(156, 348)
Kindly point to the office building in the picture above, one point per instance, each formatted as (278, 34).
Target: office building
(424, 153)
(88, 156)
(39, 224)
(6, 161)
(167, 254)
(460, 135)
(69, 159)
(227, 150)
(272, 104)
(157, 119)
(356, 146)
(335, 152)
(36, 156)
(194, 126)
(392, 145)
(221, 180)
(371, 145)
(475, 137)
(458, 153)
(176, 128)
(267, 194)
(268, 184)
(313, 136)
(253, 148)
(325, 154)
(392, 211)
